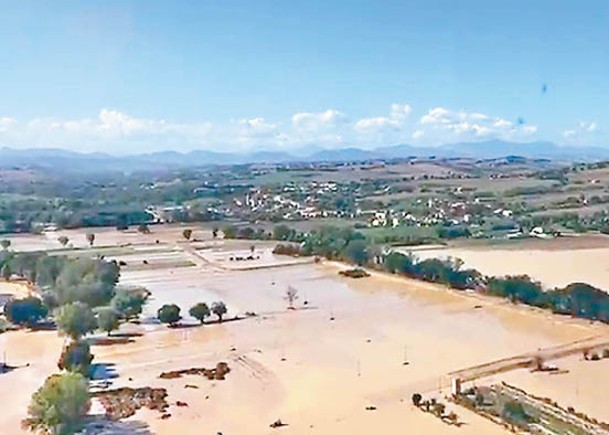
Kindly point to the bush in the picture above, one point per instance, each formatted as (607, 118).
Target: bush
(416, 399)
(27, 311)
(356, 252)
(76, 357)
(59, 406)
(514, 412)
(354, 273)
(219, 309)
(169, 313)
(288, 249)
(76, 319)
(128, 303)
(200, 311)
(107, 319)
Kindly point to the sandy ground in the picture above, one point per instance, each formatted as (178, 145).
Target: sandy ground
(583, 386)
(106, 236)
(9, 290)
(554, 263)
(315, 374)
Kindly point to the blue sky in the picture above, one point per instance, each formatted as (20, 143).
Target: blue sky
(131, 76)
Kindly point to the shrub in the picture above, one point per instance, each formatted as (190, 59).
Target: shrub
(514, 412)
(200, 311)
(27, 311)
(169, 313)
(107, 319)
(76, 357)
(59, 406)
(128, 303)
(76, 319)
(416, 399)
(288, 249)
(219, 309)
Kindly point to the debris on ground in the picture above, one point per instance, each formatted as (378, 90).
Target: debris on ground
(277, 423)
(218, 373)
(124, 402)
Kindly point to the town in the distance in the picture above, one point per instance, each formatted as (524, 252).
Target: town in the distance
(446, 294)
(238, 217)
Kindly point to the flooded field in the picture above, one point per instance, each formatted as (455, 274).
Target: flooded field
(555, 263)
(347, 360)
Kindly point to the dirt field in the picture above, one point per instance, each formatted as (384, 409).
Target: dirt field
(555, 262)
(316, 368)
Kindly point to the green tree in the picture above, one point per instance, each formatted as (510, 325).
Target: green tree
(514, 412)
(60, 405)
(169, 313)
(76, 319)
(76, 357)
(90, 238)
(229, 232)
(187, 233)
(107, 319)
(519, 288)
(5, 243)
(200, 311)
(27, 311)
(356, 252)
(219, 309)
(282, 232)
(128, 303)
(396, 262)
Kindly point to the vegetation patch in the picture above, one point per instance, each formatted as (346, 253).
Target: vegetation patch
(124, 402)
(520, 411)
(354, 273)
(218, 373)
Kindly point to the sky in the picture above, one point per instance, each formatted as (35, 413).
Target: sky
(126, 77)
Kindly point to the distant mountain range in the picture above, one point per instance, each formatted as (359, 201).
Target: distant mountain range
(60, 159)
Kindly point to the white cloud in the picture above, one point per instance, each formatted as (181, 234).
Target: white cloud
(438, 115)
(418, 134)
(315, 121)
(569, 133)
(115, 131)
(7, 123)
(584, 130)
(396, 119)
(446, 125)
(112, 131)
(257, 127)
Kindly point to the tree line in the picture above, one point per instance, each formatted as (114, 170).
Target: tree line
(79, 296)
(577, 299)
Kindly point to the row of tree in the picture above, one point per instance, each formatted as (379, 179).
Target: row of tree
(80, 295)
(170, 313)
(577, 299)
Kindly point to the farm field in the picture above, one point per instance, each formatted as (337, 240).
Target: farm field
(349, 345)
(554, 263)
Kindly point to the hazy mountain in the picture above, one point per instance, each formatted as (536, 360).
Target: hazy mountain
(96, 162)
